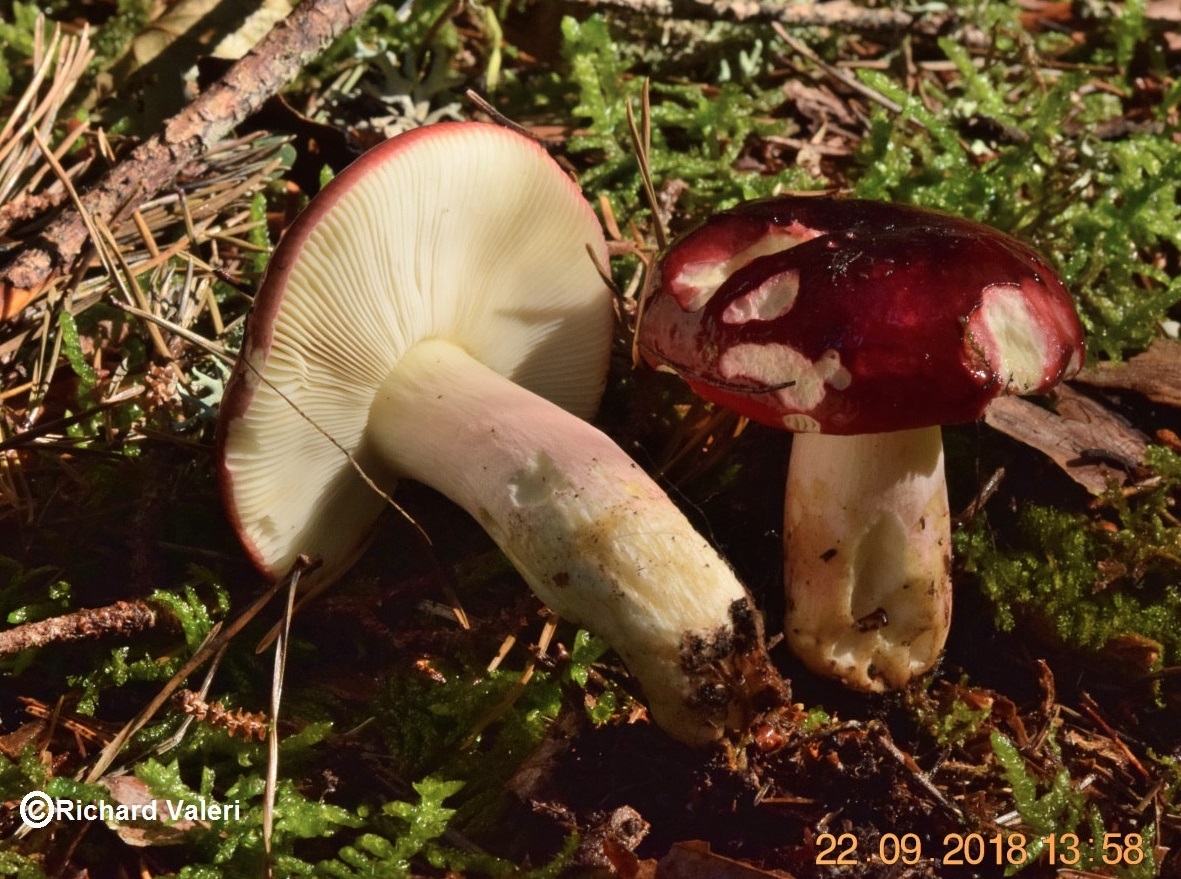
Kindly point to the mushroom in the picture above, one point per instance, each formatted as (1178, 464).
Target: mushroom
(862, 327)
(435, 314)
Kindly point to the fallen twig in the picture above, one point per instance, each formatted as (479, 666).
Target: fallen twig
(833, 13)
(154, 164)
(218, 637)
(121, 618)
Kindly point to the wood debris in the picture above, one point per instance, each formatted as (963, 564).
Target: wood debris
(1093, 446)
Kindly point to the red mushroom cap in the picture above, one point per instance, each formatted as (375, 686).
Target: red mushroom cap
(847, 316)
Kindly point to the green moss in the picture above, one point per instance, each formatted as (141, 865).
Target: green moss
(1028, 154)
(412, 831)
(194, 612)
(30, 594)
(815, 719)
(1055, 810)
(1061, 808)
(958, 722)
(392, 839)
(1088, 578)
(462, 721)
(697, 135)
(18, 866)
(196, 605)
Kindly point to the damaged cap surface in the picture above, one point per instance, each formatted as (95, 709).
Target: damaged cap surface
(848, 316)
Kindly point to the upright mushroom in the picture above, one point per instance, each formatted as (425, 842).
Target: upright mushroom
(862, 327)
(420, 316)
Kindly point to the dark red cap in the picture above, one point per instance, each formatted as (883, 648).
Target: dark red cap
(846, 316)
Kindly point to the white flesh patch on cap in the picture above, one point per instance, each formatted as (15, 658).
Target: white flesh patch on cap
(770, 300)
(835, 375)
(798, 423)
(800, 383)
(1010, 337)
(698, 282)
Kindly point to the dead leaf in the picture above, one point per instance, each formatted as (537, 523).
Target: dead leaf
(1162, 10)
(129, 792)
(1156, 373)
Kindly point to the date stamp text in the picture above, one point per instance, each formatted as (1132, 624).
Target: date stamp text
(975, 849)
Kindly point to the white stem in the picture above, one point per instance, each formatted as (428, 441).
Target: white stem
(868, 555)
(591, 533)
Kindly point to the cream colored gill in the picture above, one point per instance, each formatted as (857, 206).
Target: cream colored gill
(470, 234)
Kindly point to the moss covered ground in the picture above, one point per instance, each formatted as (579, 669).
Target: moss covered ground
(434, 720)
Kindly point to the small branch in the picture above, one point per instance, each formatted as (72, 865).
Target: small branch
(841, 14)
(848, 79)
(122, 618)
(153, 165)
(218, 637)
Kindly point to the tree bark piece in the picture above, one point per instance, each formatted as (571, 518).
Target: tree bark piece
(1156, 373)
(1080, 437)
(153, 165)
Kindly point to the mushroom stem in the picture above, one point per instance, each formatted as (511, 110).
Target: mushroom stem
(868, 546)
(593, 536)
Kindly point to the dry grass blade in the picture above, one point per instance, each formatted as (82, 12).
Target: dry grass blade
(31, 435)
(218, 637)
(641, 136)
(212, 212)
(215, 349)
(177, 737)
(208, 211)
(498, 710)
(103, 240)
(57, 68)
(701, 440)
(46, 364)
(272, 781)
(205, 211)
(836, 73)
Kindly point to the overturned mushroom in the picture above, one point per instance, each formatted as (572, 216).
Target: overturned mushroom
(862, 327)
(436, 315)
